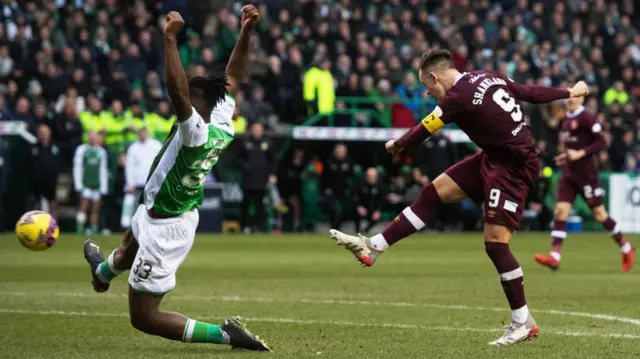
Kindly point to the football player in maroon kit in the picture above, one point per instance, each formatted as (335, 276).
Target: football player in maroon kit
(484, 105)
(582, 138)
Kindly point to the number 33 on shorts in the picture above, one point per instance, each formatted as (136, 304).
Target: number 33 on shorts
(142, 269)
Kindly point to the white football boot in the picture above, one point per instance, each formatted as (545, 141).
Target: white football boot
(360, 246)
(515, 333)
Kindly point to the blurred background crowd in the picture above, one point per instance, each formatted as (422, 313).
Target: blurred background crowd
(69, 68)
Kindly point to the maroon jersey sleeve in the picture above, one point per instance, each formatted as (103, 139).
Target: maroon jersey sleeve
(536, 94)
(442, 114)
(598, 142)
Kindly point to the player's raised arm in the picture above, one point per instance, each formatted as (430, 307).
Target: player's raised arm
(543, 94)
(175, 77)
(239, 60)
(420, 132)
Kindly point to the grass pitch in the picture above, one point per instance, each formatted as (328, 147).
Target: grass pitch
(432, 296)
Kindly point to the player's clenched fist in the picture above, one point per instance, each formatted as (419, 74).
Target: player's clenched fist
(174, 23)
(580, 89)
(391, 147)
(250, 16)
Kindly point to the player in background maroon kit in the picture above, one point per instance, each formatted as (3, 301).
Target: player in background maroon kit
(484, 106)
(582, 138)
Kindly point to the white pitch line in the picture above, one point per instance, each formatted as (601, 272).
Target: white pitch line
(334, 323)
(605, 317)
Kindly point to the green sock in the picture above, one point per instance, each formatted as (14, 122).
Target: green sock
(199, 332)
(94, 228)
(80, 228)
(106, 271)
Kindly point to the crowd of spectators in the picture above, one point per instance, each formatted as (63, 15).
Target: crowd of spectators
(76, 64)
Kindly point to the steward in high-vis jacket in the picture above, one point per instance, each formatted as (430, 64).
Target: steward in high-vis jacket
(91, 119)
(134, 121)
(114, 125)
(160, 121)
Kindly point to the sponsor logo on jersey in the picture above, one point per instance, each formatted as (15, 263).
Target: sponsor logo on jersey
(518, 129)
(510, 206)
(491, 213)
(476, 78)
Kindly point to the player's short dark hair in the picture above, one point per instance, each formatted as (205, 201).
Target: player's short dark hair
(213, 87)
(436, 59)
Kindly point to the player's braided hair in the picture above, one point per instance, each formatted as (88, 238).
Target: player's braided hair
(214, 86)
(436, 58)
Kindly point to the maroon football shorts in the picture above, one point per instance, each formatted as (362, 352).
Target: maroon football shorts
(502, 187)
(585, 184)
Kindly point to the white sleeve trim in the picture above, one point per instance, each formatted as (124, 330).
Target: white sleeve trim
(130, 165)
(78, 168)
(222, 115)
(104, 173)
(194, 132)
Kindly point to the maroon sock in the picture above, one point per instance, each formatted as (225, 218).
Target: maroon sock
(414, 217)
(610, 225)
(510, 273)
(559, 233)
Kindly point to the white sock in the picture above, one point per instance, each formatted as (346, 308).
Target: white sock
(379, 243)
(520, 315)
(81, 218)
(112, 265)
(556, 256)
(626, 248)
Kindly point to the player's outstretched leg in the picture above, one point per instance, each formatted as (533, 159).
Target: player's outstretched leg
(104, 271)
(627, 249)
(145, 316)
(412, 219)
(522, 326)
(558, 235)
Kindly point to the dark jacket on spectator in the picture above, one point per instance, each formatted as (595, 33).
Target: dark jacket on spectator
(258, 157)
(370, 196)
(336, 175)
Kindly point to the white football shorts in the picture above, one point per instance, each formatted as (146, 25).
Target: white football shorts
(91, 194)
(163, 246)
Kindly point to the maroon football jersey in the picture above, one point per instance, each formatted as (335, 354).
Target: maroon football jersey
(580, 131)
(484, 105)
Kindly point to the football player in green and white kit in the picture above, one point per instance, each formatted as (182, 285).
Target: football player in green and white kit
(90, 179)
(164, 226)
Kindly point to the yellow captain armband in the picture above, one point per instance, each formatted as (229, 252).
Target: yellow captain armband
(433, 122)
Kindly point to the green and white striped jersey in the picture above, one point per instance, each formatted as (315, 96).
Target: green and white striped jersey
(176, 181)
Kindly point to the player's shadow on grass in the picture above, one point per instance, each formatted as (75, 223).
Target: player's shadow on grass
(197, 350)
